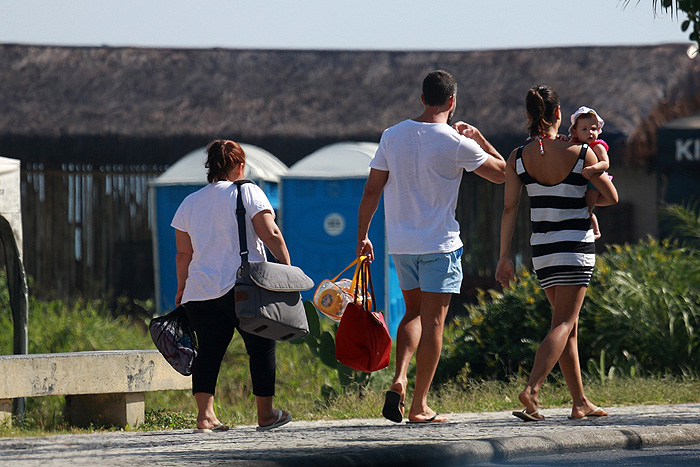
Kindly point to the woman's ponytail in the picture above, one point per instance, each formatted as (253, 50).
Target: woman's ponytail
(541, 103)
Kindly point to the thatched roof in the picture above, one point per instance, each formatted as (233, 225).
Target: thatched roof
(331, 95)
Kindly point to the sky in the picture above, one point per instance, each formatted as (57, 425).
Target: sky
(332, 24)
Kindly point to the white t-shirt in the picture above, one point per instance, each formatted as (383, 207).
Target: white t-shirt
(425, 163)
(209, 218)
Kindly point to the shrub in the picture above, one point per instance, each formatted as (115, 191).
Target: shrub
(643, 309)
(641, 316)
(498, 336)
(685, 223)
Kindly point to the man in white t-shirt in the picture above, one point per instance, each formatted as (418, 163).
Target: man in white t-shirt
(418, 166)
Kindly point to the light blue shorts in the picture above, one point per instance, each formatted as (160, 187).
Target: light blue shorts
(434, 272)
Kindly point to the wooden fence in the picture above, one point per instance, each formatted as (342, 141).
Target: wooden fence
(86, 230)
(479, 212)
(87, 233)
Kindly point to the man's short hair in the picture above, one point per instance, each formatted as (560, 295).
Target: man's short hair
(438, 87)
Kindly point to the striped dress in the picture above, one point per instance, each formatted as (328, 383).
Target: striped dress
(563, 246)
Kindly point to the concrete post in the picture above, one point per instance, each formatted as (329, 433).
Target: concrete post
(6, 411)
(106, 409)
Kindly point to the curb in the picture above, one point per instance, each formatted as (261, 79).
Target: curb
(496, 449)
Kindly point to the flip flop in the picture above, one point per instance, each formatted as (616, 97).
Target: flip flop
(392, 407)
(218, 428)
(529, 417)
(281, 420)
(432, 419)
(597, 413)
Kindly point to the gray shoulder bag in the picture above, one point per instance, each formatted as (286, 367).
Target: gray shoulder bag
(268, 302)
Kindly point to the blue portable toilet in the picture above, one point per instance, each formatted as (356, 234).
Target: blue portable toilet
(167, 191)
(319, 198)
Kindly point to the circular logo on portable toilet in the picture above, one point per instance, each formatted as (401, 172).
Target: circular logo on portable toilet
(334, 224)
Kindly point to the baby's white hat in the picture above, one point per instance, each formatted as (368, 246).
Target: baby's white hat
(583, 110)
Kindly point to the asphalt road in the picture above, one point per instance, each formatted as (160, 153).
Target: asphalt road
(656, 456)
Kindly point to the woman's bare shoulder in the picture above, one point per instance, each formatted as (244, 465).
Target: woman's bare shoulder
(570, 146)
(575, 149)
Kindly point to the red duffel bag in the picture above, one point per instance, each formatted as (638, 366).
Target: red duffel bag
(362, 340)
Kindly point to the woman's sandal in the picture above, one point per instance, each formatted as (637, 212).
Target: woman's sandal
(529, 417)
(216, 429)
(281, 420)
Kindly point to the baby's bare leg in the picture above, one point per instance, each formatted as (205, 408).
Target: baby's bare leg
(591, 200)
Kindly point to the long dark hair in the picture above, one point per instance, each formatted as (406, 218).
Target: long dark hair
(222, 156)
(541, 103)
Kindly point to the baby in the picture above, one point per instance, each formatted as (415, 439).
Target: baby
(586, 126)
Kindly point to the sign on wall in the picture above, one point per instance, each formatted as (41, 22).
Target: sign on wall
(678, 144)
(687, 149)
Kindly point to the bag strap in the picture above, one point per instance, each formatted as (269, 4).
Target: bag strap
(369, 288)
(358, 270)
(355, 262)
(240, 217)
(364, 285)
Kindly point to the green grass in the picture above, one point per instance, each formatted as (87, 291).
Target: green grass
(300, 378)
(168, 410)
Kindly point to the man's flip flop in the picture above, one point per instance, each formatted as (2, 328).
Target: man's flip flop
(218, 428)
(392, 407)
(597, 413)
(433, 419)
(281, 420)
(528, 417)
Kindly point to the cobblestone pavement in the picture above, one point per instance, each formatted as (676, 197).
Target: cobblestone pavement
(468, 439)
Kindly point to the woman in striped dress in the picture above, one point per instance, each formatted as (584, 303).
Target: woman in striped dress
(563, 248)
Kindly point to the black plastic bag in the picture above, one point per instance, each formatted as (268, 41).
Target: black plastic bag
(175, 339)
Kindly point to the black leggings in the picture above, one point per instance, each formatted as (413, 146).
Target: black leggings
(214, 321)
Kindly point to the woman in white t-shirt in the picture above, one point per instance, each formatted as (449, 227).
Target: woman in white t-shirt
(208, 257)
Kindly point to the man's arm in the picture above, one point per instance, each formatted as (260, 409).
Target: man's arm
(494, 169)
(368, 206)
